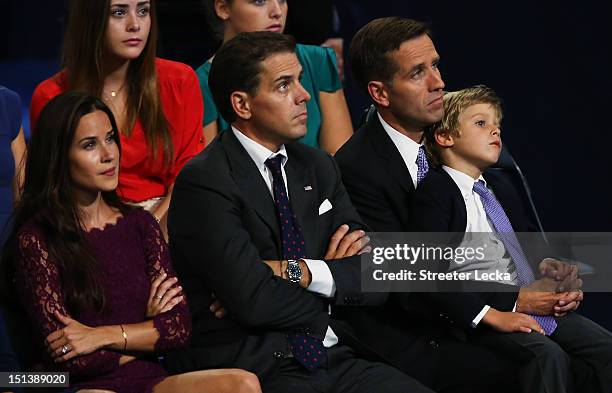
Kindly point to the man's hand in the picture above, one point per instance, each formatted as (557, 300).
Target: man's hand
(555, 269)
(538, 298)
(510, 322)
(569, 284)
(344, 244)
(217, 308)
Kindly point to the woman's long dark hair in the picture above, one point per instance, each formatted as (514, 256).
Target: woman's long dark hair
(48, 200)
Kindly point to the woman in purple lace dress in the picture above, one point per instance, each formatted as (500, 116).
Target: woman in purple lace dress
(93, 274)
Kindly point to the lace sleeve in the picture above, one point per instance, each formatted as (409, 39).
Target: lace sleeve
(174, 326)
(39, 288)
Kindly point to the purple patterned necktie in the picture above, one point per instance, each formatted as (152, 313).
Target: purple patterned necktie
(307, 350)
(504, 230)
(422, 164)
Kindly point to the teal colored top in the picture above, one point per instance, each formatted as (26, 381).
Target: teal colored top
(320, 74)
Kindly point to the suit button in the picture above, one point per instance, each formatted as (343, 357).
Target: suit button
(347, 300)
(433, 344)
(278, 354)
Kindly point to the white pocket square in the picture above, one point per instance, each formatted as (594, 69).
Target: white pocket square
(325, 207)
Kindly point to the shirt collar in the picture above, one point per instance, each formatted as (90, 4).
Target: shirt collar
(407, 147)
(464, 182)
(258, 153)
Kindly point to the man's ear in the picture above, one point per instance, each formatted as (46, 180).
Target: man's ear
(221, 9)
(444, 138)
(378, 92)
(241, 105)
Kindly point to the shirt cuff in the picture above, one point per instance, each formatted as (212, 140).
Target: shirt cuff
(514, 308)
(480, 315)
(321, 279)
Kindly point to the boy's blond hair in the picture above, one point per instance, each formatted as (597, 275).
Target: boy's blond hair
(455, 103)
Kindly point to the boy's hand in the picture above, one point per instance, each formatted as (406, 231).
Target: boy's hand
(511, 322)
(570, 301)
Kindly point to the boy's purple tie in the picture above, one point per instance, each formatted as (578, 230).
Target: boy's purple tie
(504, 230)
(308, 350)
(422, 164)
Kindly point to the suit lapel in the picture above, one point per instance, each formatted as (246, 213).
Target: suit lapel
(249, 181)
(387, 151)
(303, 193)
(459, 219)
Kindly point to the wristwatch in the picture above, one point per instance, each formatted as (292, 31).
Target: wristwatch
(294, 272)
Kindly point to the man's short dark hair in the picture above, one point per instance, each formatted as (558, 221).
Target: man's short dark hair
(237, 66)
(370, 51)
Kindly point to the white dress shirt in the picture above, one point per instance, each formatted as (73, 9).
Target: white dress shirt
(496, 257)
(408, 149)
(322, 281)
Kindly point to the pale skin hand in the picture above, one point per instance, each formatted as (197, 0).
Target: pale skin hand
(343, 244)
(170, 295)
(81, 339)
(510, 322)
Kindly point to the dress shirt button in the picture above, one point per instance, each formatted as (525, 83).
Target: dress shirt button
(278, 354)
(433, 344)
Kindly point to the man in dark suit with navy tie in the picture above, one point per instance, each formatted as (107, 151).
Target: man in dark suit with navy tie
(265, 224)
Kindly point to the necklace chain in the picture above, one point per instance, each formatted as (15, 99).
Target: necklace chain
(115, 93)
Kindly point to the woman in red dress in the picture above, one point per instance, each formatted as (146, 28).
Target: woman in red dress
(109, 52)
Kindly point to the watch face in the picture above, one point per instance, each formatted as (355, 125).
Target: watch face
(294, 272)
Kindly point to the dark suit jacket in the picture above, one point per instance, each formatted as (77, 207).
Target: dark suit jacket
(223, 223)
(438, 206)
(381, 189)
(443, 208)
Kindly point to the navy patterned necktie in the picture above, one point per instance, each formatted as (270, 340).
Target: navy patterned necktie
(504, 230)
(307, 350)
(422, 164)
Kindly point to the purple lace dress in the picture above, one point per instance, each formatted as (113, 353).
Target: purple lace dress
(130, 253)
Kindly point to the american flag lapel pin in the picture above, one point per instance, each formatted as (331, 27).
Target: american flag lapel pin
(307, 188)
